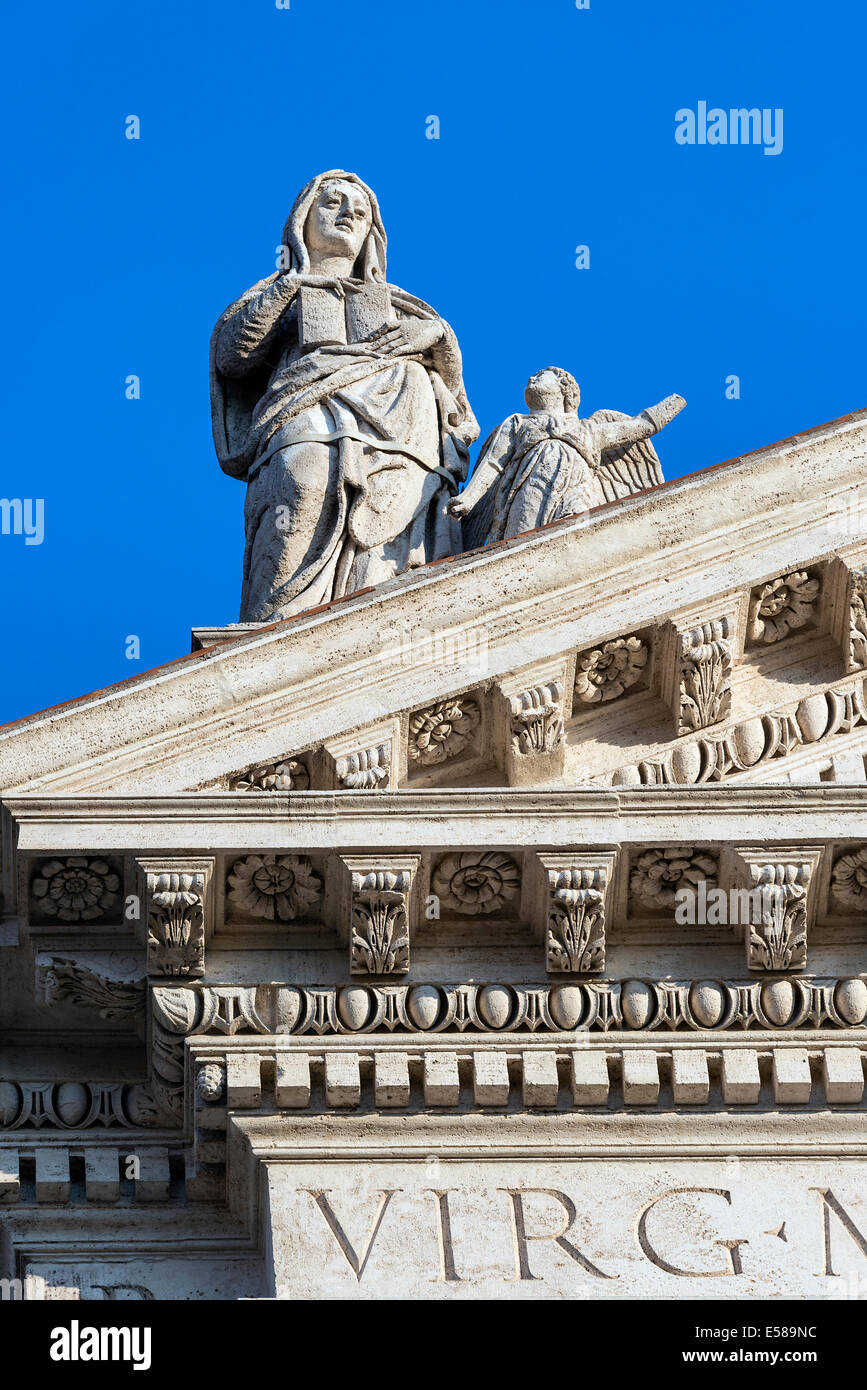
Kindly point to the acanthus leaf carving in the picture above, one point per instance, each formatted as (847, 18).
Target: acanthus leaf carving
(367, 769)
(379, 942)
(858, 618)
(777, 934)
(59, 979)
(705, 676)
(575, 936)
(176, 923)
(536, 718)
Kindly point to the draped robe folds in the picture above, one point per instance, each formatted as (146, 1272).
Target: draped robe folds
(350, 455)
(547, 466)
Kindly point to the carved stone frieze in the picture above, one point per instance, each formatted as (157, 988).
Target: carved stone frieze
(443, 731)
(272, 887)
(73, 1105)
(752, 742)
(782, 606)
(635, 1005)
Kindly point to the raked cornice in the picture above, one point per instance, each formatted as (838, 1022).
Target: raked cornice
(554, 591)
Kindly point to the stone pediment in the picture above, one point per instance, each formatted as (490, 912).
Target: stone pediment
(703, 630)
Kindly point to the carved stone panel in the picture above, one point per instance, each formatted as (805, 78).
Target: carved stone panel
(779, 885)
(376, 911)
(575, 893)
(283, 775)
(529, 726)
(444, 731)
(696, 676)
(783, 605)
(174, 912)
(608, 671)
(363, 761)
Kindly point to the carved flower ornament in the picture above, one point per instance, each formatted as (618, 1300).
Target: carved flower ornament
(75, 890)
(782, 605)
(606, 672)
(443, 731)
(849, 879)
(271, 887)
(658, 873)
(476, 883)
(286, 776)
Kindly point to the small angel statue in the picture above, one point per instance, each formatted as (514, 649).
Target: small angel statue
(549, 464)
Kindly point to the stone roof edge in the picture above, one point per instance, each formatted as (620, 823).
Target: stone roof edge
(466, 560)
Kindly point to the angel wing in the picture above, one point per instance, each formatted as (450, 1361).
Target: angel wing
(627, 469)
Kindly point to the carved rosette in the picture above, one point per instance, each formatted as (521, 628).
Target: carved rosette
(782, 606)
(849, 881)
(275, 887)
(658, 873)
(476, 883)
(536, 719)
(176, 923)
(364, 770)
(446, 730)
(77, 889)
(575, 937)
(777, 935)
(610, 670)
(705, 676)
(285, 776)
(379, 944)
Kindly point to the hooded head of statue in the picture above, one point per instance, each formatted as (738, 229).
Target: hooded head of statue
(336, 215)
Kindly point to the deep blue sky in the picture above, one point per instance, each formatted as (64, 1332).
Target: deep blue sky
(557, 129)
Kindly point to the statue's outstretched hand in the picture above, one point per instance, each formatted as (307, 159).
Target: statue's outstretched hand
(406, 338)
(459, 506)
(665, 411)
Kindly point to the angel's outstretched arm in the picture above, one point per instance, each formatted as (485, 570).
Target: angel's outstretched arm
(613, 432)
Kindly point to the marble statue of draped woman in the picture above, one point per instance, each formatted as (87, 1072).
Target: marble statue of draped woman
(339, 399)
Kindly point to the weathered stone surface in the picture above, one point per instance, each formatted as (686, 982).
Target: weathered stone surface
(670, 1229)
